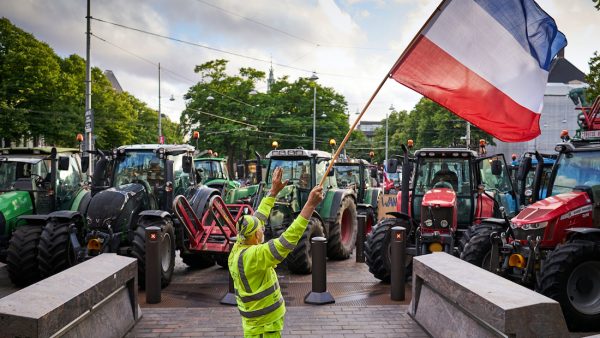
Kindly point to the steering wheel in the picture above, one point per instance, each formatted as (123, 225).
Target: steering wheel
(442, 184)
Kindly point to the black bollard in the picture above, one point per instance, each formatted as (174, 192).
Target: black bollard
(360, 239)
(398, 244)
(319, 294)
(153, 239)
(229, 298)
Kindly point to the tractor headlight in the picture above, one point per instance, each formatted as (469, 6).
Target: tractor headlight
(428, 223)
(444, 223)
(534, 226)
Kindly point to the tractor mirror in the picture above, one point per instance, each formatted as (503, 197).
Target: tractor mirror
(392, 165)
(524, 168)
(374, 173)
(331, 172)
(496, 167)
(187, 164)
(85, 163)
(63, 163)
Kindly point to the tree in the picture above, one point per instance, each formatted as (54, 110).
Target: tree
(593, 78)
(234, 120)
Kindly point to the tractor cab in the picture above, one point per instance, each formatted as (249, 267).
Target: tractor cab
(212, 172)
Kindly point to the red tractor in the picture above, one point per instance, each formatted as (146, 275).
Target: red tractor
(554, 244)
(450, 190)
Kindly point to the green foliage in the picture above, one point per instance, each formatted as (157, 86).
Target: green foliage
(43, 96)
(235, 123)
(593, 78)
(428, 125)
(597, 4)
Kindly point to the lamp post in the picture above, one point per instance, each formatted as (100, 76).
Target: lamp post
(314, 78)
(386, 135)
(160, 137)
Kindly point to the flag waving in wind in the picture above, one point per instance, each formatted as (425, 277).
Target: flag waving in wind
(487, 61)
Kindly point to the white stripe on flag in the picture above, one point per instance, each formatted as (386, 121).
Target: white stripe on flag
(469, 34)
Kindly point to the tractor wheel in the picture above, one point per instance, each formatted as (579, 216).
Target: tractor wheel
(55, 251)
(371, 220)
(22, 255)
(300, 259)
(342, 233)
(571, 276)
(378, 249)
(167, 250)
(475, 245)
(222, 259)
(197, 260)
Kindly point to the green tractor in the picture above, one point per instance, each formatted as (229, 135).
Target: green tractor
(34, 183)
(133, 188)
(214, 174)
(360, 176)
(335, 218)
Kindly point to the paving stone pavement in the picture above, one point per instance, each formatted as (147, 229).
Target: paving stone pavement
(301, 321)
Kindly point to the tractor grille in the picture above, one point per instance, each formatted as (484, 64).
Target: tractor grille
(521, 234)
(439, 214)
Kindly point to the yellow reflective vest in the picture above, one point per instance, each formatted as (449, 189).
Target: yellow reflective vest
(252, 268)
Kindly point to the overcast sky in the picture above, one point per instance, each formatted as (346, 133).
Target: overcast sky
(351, 44)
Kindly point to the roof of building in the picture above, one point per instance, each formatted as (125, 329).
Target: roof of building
(113, 81)
(563, 71)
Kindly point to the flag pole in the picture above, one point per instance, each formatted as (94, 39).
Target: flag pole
(410, 45)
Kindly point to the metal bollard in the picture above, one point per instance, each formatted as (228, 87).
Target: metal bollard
(229, 298)
(398, 268)
(153, 266)
(360, 239)
(319, 294)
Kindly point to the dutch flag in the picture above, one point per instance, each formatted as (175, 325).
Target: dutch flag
(487, 61)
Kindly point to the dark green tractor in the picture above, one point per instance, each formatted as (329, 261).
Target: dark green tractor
(360, 176)
(133, 188)
(33, 183)
(214, 174)
(335, 218)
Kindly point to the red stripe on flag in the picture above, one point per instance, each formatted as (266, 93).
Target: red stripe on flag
(434, 73)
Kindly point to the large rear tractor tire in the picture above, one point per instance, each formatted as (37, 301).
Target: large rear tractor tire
(22, 254)
(342, 233)
(378, 249)
(299, 261)
(571, 276)
(167, 250)
(478, 249)
(55, 251)
(197, 260)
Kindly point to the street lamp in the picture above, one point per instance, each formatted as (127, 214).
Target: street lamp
(160, 137)
(386, 135)
(314, 78)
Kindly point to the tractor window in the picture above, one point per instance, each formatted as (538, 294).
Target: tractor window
(296, 171)
(499, 182)
(574, 169)
(211, 169)
(68, 183)
(321, 167)
(138, 166)
(8, 174)
(182, 179)
(347, 176)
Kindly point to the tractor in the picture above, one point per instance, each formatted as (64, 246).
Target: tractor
(530, 177)
(450, 189)
(214, 174)
(133, 188)
(357, 174)
(553, 244)
(335, 218)
(35, 182)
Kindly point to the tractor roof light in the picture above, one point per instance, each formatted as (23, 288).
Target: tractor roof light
(332, 142)
(196, 135)
(564, 135)
(410, 143)
(79, 137)
(275, 144)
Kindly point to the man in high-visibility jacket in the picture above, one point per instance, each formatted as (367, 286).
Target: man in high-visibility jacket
(252, 263)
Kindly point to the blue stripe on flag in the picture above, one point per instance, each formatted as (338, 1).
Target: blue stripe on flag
(533, 28)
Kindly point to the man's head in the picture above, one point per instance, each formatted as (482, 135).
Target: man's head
(250, 230)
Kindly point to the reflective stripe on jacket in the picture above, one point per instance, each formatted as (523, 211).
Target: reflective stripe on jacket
(252, 268)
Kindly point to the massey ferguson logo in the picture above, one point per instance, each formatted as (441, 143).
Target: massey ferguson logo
(576, 212)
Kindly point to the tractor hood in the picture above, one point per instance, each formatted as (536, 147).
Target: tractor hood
(114, 208)
(439, 197)
(553, 207)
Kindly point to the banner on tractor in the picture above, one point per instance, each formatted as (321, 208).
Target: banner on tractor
(487, 61)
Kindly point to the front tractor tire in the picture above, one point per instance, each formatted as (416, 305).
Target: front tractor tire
(342, 233)
(299, 261)
(478, 249)
(378, 249)
(22, 255)
(571, 276)
(55, 251)
(167, 249)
